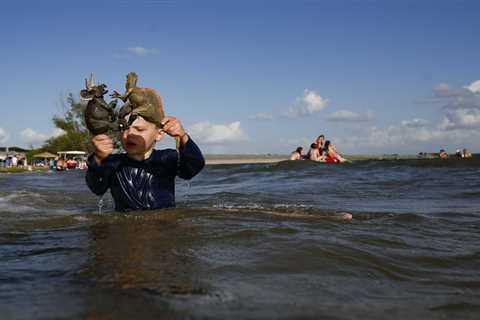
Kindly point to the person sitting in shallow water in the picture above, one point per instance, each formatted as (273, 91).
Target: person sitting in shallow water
(332, 155)
(297, 154)
(142, 177)
(313, 152)
(443, 154)
(466, 153)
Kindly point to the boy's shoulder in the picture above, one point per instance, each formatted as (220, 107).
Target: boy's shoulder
(164, 155)
(165, 159)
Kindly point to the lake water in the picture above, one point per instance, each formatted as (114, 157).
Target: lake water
(259, 241)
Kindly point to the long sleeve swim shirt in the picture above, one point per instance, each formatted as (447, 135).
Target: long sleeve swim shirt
(147, 184)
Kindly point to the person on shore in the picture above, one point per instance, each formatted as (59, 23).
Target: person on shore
(332, 156)
(466, 153)
(443, 154)
(143, 178)
(14, 161)
(297, 154)
(61, 165)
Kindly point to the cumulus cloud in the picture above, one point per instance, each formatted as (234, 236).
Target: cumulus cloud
(311, 102)
(31, 136)
(261, 116)
(461, 119)
(57, 132)
(461, 106)
(474, 86)
(3, 135)
(415, 123)
(210, 133)
(141, 51)
(349, 116)
(396, 137)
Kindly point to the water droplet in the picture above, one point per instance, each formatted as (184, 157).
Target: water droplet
(188, 185)
(100, 205)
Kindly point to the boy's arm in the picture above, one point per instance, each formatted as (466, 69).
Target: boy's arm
(99, 169)
(98, 176)
(191, 160)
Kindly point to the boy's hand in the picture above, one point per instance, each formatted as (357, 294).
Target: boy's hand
(103, 147)
(174, 128)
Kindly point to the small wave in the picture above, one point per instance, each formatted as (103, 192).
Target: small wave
(468, 195)
(19, 201)
(46, 251)
(452, 162)
(283, 210)
(460, 306)
(19, 194)
(410, 218)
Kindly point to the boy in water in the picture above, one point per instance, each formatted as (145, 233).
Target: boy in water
(143, 178)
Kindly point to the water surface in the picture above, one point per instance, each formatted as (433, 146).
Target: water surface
(255, 241)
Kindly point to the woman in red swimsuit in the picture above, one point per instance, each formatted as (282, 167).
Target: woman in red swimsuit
(332, 155)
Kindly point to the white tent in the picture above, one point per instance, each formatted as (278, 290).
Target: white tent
(64, 154)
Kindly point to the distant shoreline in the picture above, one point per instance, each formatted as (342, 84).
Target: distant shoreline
(226, 159)
(214, 159)
(244, 159)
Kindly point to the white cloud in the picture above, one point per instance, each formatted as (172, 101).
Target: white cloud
(415, 123)
(461, 106)
(210, 133)
(141, 51)
(405, 138)
(349, 116)
(474, 86)
(461, 119)
(3, 135)
(394, 137)
(308, 104)
(57, 132)
(261, 116)
(32, 137)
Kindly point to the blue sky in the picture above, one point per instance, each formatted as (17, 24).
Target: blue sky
(256, 76)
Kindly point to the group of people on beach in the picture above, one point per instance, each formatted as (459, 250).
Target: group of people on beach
(465, 153)
(321, 150)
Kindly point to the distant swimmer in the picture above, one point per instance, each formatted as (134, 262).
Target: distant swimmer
(345, 216)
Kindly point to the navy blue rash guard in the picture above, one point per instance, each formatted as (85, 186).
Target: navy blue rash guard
(147, 184)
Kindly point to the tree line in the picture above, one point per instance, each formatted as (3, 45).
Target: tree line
(75, 135)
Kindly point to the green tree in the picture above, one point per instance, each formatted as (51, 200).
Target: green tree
(75, 135)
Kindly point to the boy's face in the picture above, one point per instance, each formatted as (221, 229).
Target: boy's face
(140, 137)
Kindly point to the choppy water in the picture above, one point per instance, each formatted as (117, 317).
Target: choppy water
(249, 241)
